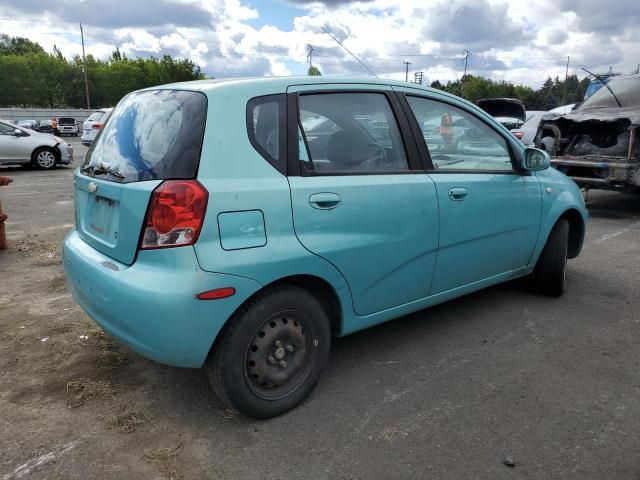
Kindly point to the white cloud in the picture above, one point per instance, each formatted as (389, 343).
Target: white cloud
(511, 40)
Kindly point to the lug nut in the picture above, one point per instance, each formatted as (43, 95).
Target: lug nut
(289, 348)
(278, 343)
(271, 360)
(283, 364)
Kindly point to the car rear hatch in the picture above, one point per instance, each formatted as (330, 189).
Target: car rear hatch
(503, 107)
(151, 136)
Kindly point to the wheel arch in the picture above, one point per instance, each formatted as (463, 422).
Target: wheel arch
(576, 231)
(317, 286)
(53, 148)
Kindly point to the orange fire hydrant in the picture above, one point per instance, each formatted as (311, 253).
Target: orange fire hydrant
(3, 216)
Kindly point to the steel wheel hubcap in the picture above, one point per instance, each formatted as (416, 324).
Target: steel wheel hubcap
(46, 159)
(279, 356)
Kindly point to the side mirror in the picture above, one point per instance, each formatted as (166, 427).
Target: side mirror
(536, 160)
(17, 132)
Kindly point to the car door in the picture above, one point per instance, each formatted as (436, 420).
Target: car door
(359, 197)
(12, 147)
(489, 213)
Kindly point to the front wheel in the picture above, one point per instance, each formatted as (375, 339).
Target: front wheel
(550, 272)
(44, 158)
(270, 356)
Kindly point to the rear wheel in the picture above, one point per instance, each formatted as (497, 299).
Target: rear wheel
(271, 354)
(44, 158)
(550, 272)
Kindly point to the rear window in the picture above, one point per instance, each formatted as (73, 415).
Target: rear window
(151, 135)
(66, 121)
(96, 116)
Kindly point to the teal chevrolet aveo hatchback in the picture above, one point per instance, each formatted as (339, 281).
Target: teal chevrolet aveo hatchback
(240, 224)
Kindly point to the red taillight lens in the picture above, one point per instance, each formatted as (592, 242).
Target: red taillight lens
(518, 135)
(97, 125)
(175, 214)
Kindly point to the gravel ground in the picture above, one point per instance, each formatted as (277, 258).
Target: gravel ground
(447, 393)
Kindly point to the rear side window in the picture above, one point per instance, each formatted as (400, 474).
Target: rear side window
(151, 135)
(266, 125)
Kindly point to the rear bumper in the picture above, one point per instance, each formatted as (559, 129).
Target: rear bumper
(151, 306)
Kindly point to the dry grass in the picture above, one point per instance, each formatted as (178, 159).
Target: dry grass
(83, 389)
(160, 455)
(92, 330)
(128, 421)
(111, 356)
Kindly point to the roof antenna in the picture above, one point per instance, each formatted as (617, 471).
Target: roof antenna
(349, 52)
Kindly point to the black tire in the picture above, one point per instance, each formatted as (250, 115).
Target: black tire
(286, 314)
(44, 158)
(549, 274)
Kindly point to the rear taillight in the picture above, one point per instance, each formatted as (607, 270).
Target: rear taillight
(517, 134)
(97, 126)
(175, 214)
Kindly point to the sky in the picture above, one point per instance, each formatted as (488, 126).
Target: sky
(514, 40)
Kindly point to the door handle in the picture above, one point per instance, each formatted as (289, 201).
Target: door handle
(458, 193)
(324, 201)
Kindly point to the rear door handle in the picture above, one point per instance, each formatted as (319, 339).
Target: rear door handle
(324, 201)
(458, 193)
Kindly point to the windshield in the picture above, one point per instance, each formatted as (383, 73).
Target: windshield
(154, 134)
(627, 89)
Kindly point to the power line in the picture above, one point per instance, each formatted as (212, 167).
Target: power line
(349, 52)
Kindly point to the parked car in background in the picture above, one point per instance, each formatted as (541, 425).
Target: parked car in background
(510, 112)
(210, 232)
(30, 124)
(598, 143)
(46, 126)
(20, 146)
(68, 126)
(92, 125)
(527, 131)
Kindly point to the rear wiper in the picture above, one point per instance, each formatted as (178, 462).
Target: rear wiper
(605, 83)
(101, 168)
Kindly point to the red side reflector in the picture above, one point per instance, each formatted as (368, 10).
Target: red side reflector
(217, 293)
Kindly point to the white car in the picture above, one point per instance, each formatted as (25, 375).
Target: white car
(20, 146)
(68, 126)
(92, 125)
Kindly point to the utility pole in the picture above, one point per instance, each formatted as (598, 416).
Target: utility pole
(638, 69)
(467, 54)
(406, 74)
(310, 55)
(84, 68)
(418, 77)
(566, 76)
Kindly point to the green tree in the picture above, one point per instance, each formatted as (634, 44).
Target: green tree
(314, 71)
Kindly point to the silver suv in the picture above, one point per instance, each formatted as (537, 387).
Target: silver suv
(92, 125)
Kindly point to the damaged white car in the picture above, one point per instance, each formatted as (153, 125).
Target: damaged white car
(598, 143)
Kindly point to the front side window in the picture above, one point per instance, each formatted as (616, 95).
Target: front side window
(7, 129)
(458, 140)
(349, 133)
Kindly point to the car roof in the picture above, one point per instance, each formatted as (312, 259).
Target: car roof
(280, 84)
